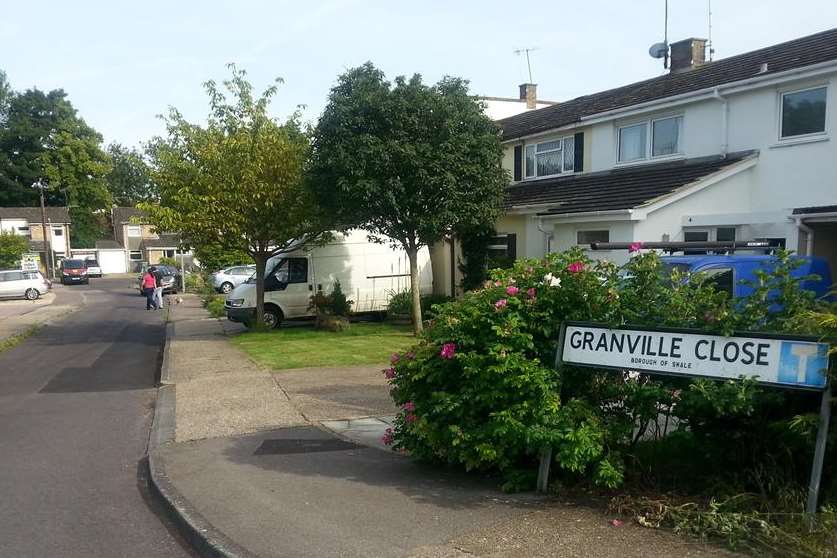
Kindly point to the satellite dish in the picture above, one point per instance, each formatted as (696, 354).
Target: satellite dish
(658, 50)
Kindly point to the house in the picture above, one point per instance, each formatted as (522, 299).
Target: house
(28, 222)
(737, 148)
(140, 241)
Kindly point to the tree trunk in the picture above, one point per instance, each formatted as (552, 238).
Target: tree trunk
(412, 253)
(261, 260)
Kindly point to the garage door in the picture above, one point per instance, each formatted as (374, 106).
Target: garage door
(112, 261)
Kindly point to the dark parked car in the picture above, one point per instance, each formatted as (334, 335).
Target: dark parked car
(171, 278)
(74, 271)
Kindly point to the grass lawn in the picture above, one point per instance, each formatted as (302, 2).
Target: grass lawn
(302, 347)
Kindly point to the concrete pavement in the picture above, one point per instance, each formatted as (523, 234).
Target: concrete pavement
(76, 402)
(301, 490)
(20, 316)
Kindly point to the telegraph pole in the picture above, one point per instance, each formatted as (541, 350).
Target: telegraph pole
(47, 252)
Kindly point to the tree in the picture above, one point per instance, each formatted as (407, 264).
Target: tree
(410, 163)
(237, 181)
(44, 138)
(213, 255)
(129, 180)
(5, 96)
(12, 248)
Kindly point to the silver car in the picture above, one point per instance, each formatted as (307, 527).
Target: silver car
(27, 284)
(227, 279)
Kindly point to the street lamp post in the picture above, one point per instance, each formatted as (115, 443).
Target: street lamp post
(47, 252)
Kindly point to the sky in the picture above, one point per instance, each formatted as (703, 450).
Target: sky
(123, 64)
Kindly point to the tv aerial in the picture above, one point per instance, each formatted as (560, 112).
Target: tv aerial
(660, 50)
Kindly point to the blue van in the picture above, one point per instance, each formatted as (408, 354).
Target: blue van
(728, 271)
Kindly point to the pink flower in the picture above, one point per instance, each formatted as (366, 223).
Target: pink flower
(394, 358)
(389, 373)
(388, 438)
(410, 356)
(512, 290)
(635, 247)
(411, 418)
(409, 406)
(498, 283)
(448, 350)
(500, 304)
(575, 267)
(531, 292)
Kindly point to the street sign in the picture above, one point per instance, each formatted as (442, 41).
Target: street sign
(783, 361)
(787, 361)
(30, 262)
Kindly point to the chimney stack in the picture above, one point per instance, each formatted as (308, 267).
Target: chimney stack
(529, 93)
(687, 54)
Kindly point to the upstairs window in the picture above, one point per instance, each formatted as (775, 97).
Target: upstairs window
(549, 158)
(134, 231)
(803, 112)
(660, 137)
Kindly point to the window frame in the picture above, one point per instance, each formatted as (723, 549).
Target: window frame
(135, 227)
(649, 139)
(534, 145)
(131, 255)
(781, 111)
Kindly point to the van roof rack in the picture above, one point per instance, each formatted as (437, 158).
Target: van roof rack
(715, 247)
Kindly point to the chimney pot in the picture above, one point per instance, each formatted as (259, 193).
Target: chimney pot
(529, 93)
(687, 54)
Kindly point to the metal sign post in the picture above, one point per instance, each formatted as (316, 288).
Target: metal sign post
(819, 455)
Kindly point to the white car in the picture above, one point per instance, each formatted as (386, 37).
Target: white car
(19, 283)
(93, 268)
(227, 279)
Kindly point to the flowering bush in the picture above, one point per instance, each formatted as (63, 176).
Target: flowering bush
(481, 390)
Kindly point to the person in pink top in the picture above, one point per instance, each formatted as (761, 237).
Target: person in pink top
(148, 285)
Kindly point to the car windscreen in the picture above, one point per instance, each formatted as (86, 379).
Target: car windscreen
(73, 264)
(92, 263)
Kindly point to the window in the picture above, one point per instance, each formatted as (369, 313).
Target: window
(722, 278)
(550, 157)
(58, 232)
(660, 137)
(292, 270)
(168, 253)
(24, 231)
(632, 142)
(725, 234)
(134, 230)
(803, 112)
(13, 276)
(696, 236)
(502, 250)
(135, 256)
(589, 237)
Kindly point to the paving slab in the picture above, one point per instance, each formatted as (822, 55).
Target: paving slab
(220, 391)
(337, 392)
(301, 492)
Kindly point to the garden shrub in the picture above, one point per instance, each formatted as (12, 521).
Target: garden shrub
(480, 390)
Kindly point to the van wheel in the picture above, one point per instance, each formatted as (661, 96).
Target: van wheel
(31, 294)
(272, 317)
(226, 287)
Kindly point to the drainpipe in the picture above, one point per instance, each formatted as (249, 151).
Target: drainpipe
(716, 94)
(809, 236)
(547, 235)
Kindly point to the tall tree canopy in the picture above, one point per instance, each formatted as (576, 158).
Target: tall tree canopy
(237, 181)
(129, 180)
(410, 163)
(43, 138)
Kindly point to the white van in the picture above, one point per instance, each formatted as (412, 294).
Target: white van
(369, 274)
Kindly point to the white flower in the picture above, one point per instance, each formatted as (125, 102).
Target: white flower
(551, 280)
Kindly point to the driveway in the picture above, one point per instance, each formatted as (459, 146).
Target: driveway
(76, 401)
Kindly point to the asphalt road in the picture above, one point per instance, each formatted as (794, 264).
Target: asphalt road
(76, 403)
